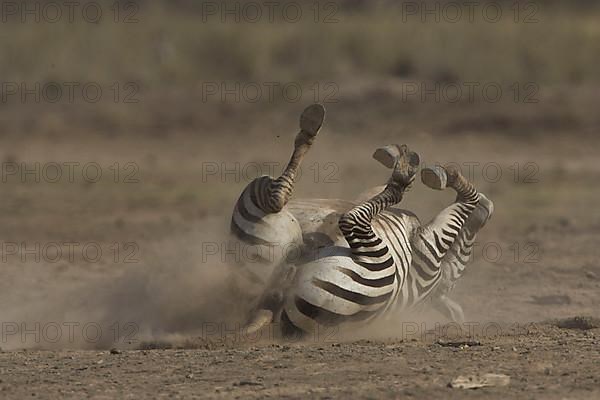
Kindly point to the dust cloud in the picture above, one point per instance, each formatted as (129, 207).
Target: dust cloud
(176, 292)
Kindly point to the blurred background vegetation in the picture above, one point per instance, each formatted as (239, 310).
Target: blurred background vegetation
(170, 49)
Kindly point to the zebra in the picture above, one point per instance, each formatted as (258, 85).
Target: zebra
(388, 260)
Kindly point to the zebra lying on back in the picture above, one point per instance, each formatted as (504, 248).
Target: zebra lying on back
(379, 258)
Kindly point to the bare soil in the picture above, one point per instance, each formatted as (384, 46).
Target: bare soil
(547, 363)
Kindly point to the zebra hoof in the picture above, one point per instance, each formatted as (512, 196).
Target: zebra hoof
(487, 205)
(312, 118)
(387, 155)
(435, 178)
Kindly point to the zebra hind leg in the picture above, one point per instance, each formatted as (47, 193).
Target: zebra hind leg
(453, 262)
(456, 259)
(433, 241)
(278, 191)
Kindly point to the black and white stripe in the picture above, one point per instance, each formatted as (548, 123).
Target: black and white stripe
(391, 262)
(358, 282)
(271, 234)
(432, 248)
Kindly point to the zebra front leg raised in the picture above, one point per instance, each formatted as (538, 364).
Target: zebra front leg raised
(260, 218)
(433, 242)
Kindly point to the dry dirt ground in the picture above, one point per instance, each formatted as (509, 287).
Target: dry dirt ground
(162, 300)
(546, 363)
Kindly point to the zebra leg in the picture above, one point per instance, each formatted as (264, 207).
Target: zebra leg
(433, 241)
(455, 261)
(367, 247)
(461, 250)
(273, 194)
(356, 225)
(279, 191)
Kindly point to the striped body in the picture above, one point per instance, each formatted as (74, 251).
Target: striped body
(337, 287)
